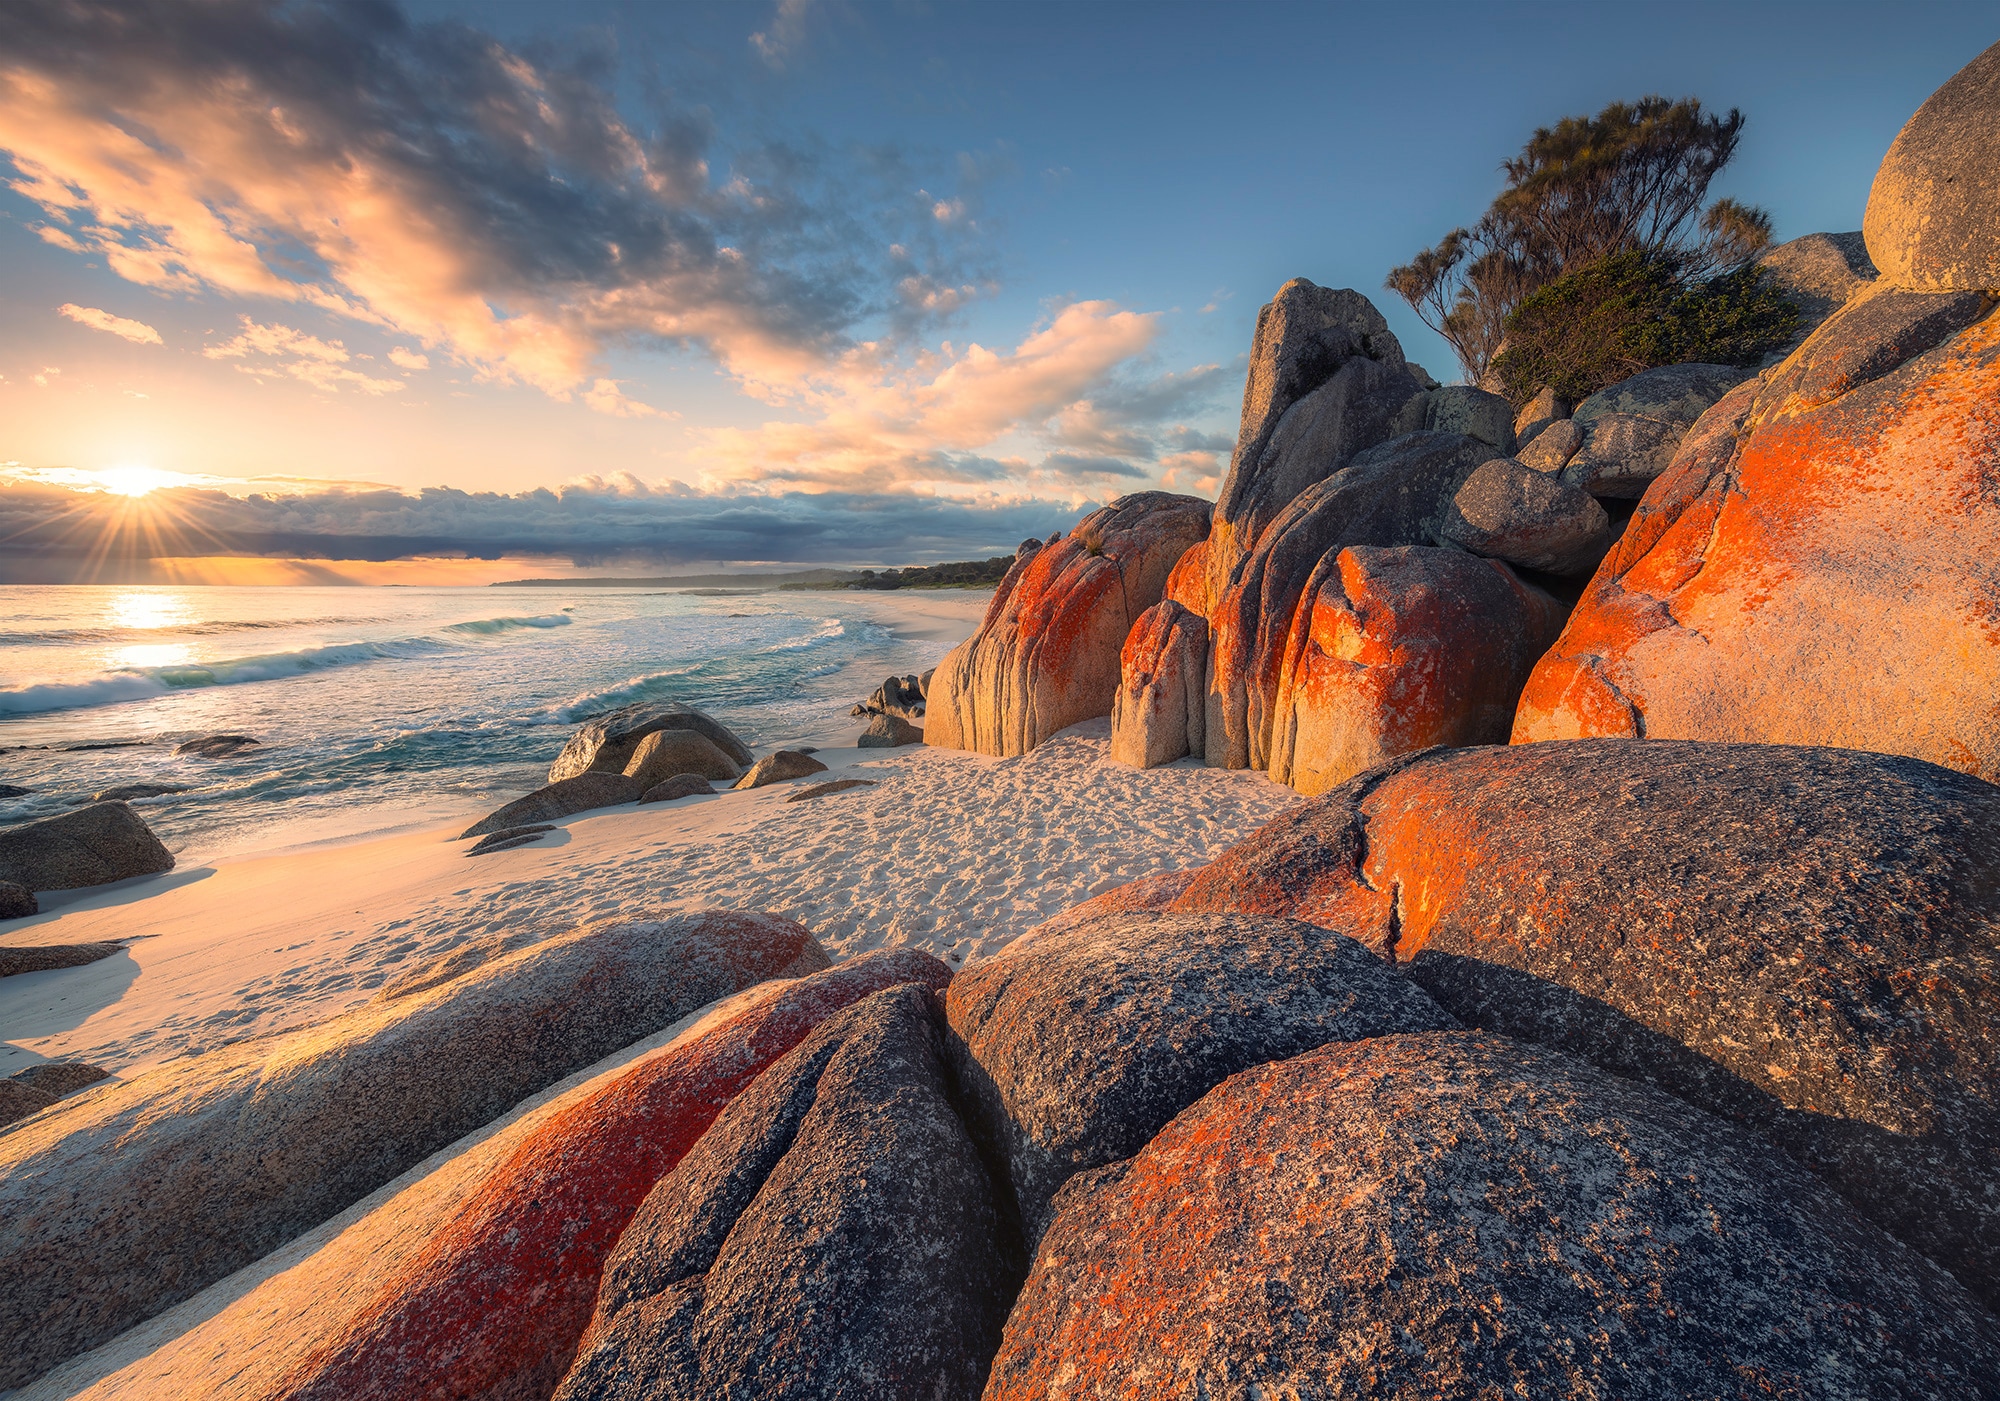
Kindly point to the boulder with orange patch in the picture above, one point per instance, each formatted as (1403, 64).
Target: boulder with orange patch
(1820, 564)
(1803, 940)
(496, 1301)
(1393, 650)
(1158, 713)
(1046, 653)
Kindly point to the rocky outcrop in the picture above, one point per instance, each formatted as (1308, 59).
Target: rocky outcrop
(126, 792)
(779, 767)
(59, 1077)
(18, 1100)
(1460, 1215)
(1933, 220)
(496, 1300)
(1326, 379)
(37, 958)
(889, 731)
(90, 846)
(1459, 409)
(139, 1195)
(1046, 654)
(1078, 1046)
(1802, 940)
(833, 1234)
(1632, 429)
(681, 785)
(606, 744)
(16, 902)
(564, 798)
(1161, 709)
(1822, 563)
(507, 838)
(1393, 650)
(664, 753)
(899, 695)
(1508, 511)
(1385, 496)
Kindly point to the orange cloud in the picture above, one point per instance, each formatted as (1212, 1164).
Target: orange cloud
(138, 332)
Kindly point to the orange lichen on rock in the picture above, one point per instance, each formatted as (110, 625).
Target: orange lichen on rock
(1046, 654)
(1394, 650)
(1158, 713)
(497, 1300)
(1820, 564)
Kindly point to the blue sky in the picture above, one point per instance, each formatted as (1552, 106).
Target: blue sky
(986, 262)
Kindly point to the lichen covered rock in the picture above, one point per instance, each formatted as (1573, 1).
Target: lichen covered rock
(1822, 563)
(1933, 220)
(1456, 1214)
(1160, 709)
(1806, 941)
(1394, 650)
(1046, 653)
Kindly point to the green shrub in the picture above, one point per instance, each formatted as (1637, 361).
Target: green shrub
(1630, 312)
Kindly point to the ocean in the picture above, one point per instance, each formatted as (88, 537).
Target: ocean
(380, 708)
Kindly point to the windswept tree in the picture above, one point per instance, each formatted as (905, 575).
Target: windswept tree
(1632, 179)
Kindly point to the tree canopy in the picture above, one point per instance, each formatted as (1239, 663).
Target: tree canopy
(1632, 179)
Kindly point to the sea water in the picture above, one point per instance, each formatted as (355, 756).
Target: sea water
(377, 708)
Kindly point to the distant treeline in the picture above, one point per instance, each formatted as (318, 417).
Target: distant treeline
(964, 574)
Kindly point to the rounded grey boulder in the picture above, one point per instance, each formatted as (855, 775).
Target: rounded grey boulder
(1505, 510)
(681, 785)
(606, 744)
(664, 753)
(90, 846)
(776, 768)
(564, 798)
(1077, 1046)
(1933, 220)
(1460, 1215)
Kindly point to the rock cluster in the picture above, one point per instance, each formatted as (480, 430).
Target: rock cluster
(151, 1189)
(608, 743)
(1046, 653)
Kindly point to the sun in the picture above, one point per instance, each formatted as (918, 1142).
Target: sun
(134, 481)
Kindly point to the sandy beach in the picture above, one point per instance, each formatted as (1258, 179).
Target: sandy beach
(260, 943)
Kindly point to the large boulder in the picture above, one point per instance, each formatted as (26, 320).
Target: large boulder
(1079, 1046)
(147, 1191)
(1633, 428)
(1803, 940)
(1046, 654)
(1460, 1215)
(1933, 220)
(563, 798)
(605, 744)
(1506, 510)
(834, 1234)
(38, 958)
(1160, 709)
(1396, 649)
(1327, 378)
(88, 846)
(889, 731)
(779, 767)
(495, 1301)
(1384, 496)
(664, 753)
(1822, 563)
(1551, 449)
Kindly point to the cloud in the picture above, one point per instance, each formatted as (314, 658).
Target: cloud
(428, 180)
(879, 425)
(774, 44)
(281, 350)
(138, 332)
(409, 359)
(48, 373)
(605, 396)
(51, 534)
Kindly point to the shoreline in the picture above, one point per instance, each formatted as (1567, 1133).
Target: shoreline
(253, 943)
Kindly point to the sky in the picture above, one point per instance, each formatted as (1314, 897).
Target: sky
(798, 281)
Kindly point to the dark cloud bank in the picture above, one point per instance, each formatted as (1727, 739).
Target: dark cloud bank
(50, 535)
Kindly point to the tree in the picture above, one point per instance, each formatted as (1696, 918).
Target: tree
(1632, 179)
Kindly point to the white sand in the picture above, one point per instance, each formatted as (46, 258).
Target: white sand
(950, 852)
